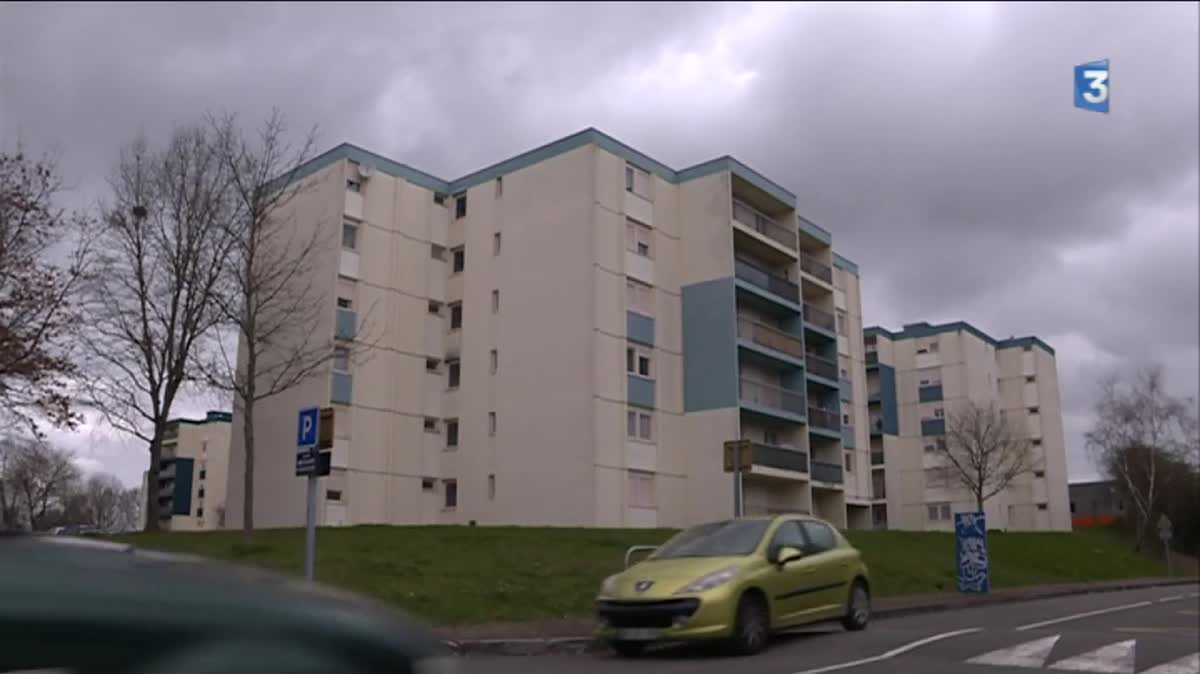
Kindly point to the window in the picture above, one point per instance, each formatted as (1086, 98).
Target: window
(1042, 506)
(849, 462)
(1039, 473)
(936, 478)
(431, 364)
(495, 361)
(200, 511)
(349, 236)
(820, 537)
(435, 307)
(788, 535)
(499, 186)
(638, 238)
(345, 303)
(439, 198)
(639, 297)
(1033, 410)
(437, 252)
(491, 423)
(495, 301)
(846, 419)
(460, 260)
(341, 359)
(456, 316)
(938, 512)
(200, 494)
(452, 432)
(637, 361)
(203, 474)
(1030, 379)
(939, 413)
(353, 186)
(427, 484)
(1072, 507)
(430, 425)
(496, 243)
(1037, 442)
(641, 489)
(841, 323)
(491, 487)
(333, 495)
(453, 373)
(637, 181)
(639, 425)
(930, 377)
(460, 206)
(451, 494)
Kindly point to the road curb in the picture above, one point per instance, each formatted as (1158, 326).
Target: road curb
(585, 644)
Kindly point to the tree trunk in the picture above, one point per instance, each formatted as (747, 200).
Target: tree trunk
(248, 485)
(979, 501)
(151, 504)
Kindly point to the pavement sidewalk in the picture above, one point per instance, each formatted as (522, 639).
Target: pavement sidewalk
(572, 635)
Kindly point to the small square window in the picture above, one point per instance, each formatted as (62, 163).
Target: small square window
(456, 316)
(452, 432)
(1042, 506)
(439, 198)
(435, 307)
(1030, 379)
(460, 206)
(203, 474)
(491, 423)
(496, 243)
(344, 303)
(1033, 410)
(427, 484)
(495, 301)
(499, 186)
(200, 494)
(494, 361)
(1037, 442)
(431, 364)
(437, 252)
(353, 186)
(939, 413)
(430, 425)
(349, 236)
(639, 425)
(460, 260)
(451, 493)
(333, 495)
(200, 512)
(491, 487)
(453, 373)
(1039, 473)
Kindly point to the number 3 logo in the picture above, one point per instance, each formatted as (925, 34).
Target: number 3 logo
(1097, 81)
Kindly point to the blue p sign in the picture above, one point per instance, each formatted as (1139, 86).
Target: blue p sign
(306, 432)
(1091, 86)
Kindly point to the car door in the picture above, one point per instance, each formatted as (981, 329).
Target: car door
(787, 583)
(829, 571)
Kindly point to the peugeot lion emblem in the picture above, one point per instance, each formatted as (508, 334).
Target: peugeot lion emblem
(643, 585)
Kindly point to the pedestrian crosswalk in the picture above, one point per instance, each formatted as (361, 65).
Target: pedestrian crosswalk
(1116, 658)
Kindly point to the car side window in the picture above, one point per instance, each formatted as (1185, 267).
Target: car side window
(820, 537)
(788, 535)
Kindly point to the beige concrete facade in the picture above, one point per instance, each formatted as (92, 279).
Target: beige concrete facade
(567, 338)
(193, 474)
(919, 376)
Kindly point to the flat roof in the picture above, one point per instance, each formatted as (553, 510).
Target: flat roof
(924, 329)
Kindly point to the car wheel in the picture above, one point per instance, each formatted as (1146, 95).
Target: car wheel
(628, 649)
(858, 607)
(752, 628)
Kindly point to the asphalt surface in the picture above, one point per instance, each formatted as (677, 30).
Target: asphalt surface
(1151, 631)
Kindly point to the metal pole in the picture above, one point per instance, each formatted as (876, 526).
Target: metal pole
(1167, 549)
(737, 480)
(310, 532)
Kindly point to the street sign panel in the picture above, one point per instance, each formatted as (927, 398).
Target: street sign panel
(311, 462)
(1164, 528)
(306, 429)
(970, 547)
(738, 451)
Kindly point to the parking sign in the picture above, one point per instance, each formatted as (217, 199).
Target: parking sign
(306, 430)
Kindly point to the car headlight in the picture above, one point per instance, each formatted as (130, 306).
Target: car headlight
(714, 579)
(609, 586)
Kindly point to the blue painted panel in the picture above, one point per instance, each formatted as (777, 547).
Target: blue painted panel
(845, 264)
(639, 328)
(888, 408)
(182, 503)
(970, 548)
(709, 345)
(640, 391)
(342, 388)
(347, 324)
(933, 427)
(929, 394)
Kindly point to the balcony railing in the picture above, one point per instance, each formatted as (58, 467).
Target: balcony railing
(772, 338)
(872, 357)
(826, 472)
(756, 275)
(812, 265)
(771, 396)
(876, 458)
(825, 419)
(780, 457)
(819, 317)
(821, 366)
(763, 224)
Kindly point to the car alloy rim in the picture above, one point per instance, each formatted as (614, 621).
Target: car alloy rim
(753, 629)
(858, 605)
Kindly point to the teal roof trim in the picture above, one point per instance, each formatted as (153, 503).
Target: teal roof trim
(844, 264)
(211, 417)
(915, 330)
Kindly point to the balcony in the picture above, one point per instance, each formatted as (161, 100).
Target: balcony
(773, 398)
(770, 337)
(814, 267)
(819, 318)
(933, 427)
(821, 366)
(929, 394)
(765, 280)
(824, 419)
(783, 458)
(640, 390)
(872, 358)
(877, 458)
(639, 328)
(764, 224)
(873, 396)
(827, 472)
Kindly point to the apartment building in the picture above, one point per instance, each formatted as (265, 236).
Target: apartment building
(918, 376)
(567, 338)
(192, 474)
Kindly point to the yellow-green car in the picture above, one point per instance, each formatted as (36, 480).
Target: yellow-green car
(739, 581)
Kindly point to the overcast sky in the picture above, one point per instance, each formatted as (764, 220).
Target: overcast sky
(937, 142)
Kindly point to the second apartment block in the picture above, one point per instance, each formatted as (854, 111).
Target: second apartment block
(919, 376)
(567, 338)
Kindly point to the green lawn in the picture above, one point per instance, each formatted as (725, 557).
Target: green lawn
(464, 575)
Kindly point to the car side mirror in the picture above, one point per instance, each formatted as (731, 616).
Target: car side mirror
(787, 554)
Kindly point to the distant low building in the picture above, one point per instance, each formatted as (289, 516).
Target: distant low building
(1096, 504)
(191, 477)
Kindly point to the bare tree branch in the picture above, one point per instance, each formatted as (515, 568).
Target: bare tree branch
(984, 452)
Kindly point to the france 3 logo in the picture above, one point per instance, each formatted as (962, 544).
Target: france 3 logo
(1091, 86)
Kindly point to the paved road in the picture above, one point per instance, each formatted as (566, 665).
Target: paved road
(1154, 631)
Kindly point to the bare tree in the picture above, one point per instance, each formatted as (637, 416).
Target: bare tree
(10, 510)
(38, 308)
(43, 477)
(985, 453)
(102, 501)
(161, 248)
(1140, 432)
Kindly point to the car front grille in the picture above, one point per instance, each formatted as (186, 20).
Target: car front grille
(660, 614)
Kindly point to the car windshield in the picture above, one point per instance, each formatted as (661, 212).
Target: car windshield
(718, 539)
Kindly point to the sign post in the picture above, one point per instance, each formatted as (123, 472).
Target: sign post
(970, 543)
(1164, 534)
(739, 459)
(312, 463)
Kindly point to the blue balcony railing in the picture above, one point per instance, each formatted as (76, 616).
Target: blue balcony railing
(827, 472)
(929, 394)
(640, 390)
(783, 458)
(826, 419)
(761, 278)
(933, 427)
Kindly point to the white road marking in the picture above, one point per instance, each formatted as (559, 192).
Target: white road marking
(1189, 664)
(1085, 614)
(1115, 658)
(892, 653)
(1031, 654)
(1174, 597)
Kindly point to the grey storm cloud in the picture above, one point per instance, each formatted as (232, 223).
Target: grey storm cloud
(938, 142)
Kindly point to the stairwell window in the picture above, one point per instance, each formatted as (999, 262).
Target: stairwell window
(430, 425)
(451, 433)
(453, 373)
(639, 238)
(460, 260)
(456, 316)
